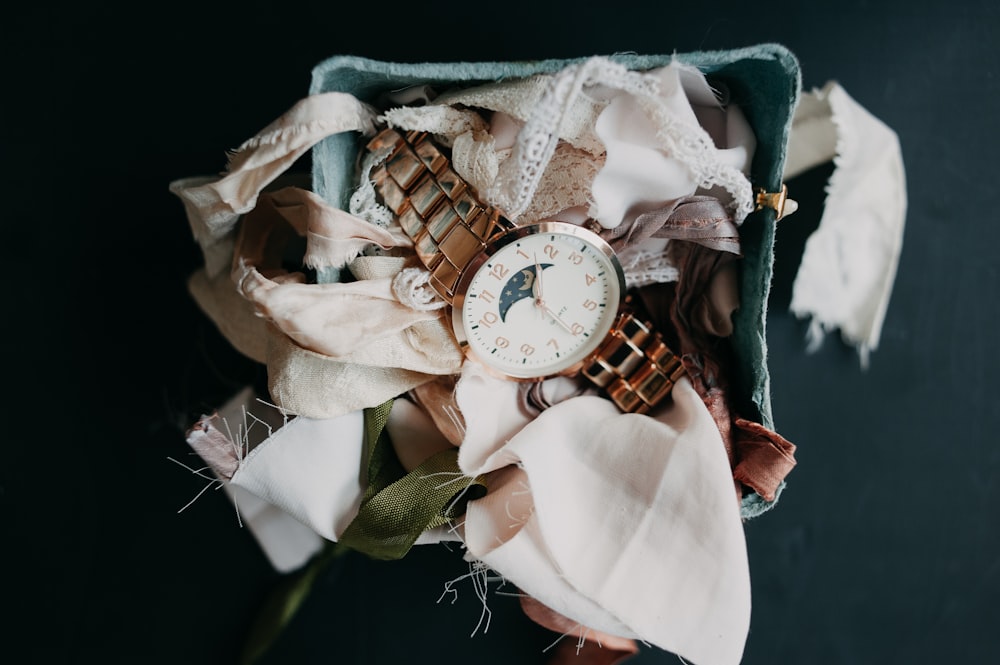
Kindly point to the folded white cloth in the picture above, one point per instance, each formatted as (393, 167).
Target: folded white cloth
(627, 524)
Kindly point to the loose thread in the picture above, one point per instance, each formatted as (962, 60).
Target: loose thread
(458, 495)
(516, 521)
(480, 578)
(581, 638)
(197, 472)
(519, 521)
(557, 641)
(453, 416)
(280, 409)
(239, 440)
(511, 594)
(455, 526)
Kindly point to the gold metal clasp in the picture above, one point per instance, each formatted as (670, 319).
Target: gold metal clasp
(777, 201)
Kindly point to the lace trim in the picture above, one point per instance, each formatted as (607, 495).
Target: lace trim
(643, 267)
(518, 97)
(410, 288)
(520, 176)
(445, 122)
(695, 149)
(566, 184)
(475, 158)
(364, 202)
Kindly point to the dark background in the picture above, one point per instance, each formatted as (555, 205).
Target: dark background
(884, 547)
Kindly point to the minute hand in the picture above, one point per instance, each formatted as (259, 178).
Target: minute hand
(555, 317)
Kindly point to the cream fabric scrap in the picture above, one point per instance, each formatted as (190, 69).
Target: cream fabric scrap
(848, 268)
(310, 384)
(232, 314)
(334, 237)
(519, 97)
(312, 469)
(315, 469)
(332, 362)
(624, 523)
(214, 205)
(388, 364)
(627, 524)
(287, 542)
(638, 174)
(325, 317)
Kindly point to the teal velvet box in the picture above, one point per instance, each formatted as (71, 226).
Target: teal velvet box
(764, 80)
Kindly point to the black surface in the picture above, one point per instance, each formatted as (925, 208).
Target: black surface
(884, 548)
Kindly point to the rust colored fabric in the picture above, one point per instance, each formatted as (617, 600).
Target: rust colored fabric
(760, 458)
(437, 399)
(765, 457)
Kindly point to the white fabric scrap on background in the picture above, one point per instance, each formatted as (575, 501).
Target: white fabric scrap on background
(286, 541)
(848, 268)
(312, 469)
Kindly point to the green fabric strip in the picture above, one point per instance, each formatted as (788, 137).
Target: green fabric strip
(395, 509)
(383, 465)
(397, 506)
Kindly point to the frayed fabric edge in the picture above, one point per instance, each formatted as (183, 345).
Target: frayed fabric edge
(858, 317)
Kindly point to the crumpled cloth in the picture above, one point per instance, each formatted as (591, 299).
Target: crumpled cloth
(214, 205)
(638, 175)
(323, 360)
(848, 267)
(287, 542)
(572, 519)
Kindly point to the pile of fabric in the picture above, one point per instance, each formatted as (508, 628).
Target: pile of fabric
(379, 433)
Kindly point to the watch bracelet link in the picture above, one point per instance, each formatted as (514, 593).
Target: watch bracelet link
(435, 207)
(438, 211)
(634, 366)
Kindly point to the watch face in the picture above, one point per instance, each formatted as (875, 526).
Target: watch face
(538, 300)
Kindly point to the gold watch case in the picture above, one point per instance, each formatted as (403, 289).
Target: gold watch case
(577, 358)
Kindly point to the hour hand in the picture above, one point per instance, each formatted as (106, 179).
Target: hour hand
(536, 287)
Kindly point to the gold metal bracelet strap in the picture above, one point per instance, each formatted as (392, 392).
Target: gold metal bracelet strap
(439, 212)
(634, 366)
(436, 208)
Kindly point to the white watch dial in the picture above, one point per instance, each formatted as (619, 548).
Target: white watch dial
(538, 300)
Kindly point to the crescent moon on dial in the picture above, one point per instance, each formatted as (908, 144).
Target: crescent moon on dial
(517, 288)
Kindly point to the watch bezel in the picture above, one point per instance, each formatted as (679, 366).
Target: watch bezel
(500, 241)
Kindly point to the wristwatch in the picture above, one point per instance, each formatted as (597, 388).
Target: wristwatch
(528, 302)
